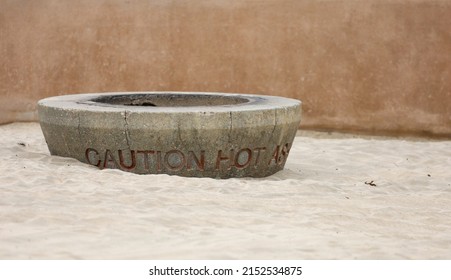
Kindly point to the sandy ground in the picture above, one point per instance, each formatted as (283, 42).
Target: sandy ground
(319, 207)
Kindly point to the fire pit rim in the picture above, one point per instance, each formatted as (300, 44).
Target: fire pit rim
(87, 101)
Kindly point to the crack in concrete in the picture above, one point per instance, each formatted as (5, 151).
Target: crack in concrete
(231, 127)
(179, 134)
(78, 127)
(68, 151)
(126, 131)
(275, 124)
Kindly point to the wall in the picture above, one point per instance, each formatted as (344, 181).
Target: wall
(377, 66)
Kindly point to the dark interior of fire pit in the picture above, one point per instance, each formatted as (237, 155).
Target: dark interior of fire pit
(170, 100)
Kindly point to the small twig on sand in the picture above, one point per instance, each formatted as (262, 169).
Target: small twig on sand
(370, 183)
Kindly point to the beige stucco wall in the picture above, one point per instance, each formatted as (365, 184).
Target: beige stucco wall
(375, 65)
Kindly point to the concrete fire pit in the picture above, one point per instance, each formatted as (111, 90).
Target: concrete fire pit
(188, 134)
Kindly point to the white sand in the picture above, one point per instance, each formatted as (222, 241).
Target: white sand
(319, 207)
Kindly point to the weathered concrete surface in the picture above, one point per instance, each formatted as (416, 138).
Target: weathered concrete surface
(240, 136)
(375, 65)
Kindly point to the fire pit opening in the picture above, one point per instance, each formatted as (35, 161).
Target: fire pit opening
(170, 100)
